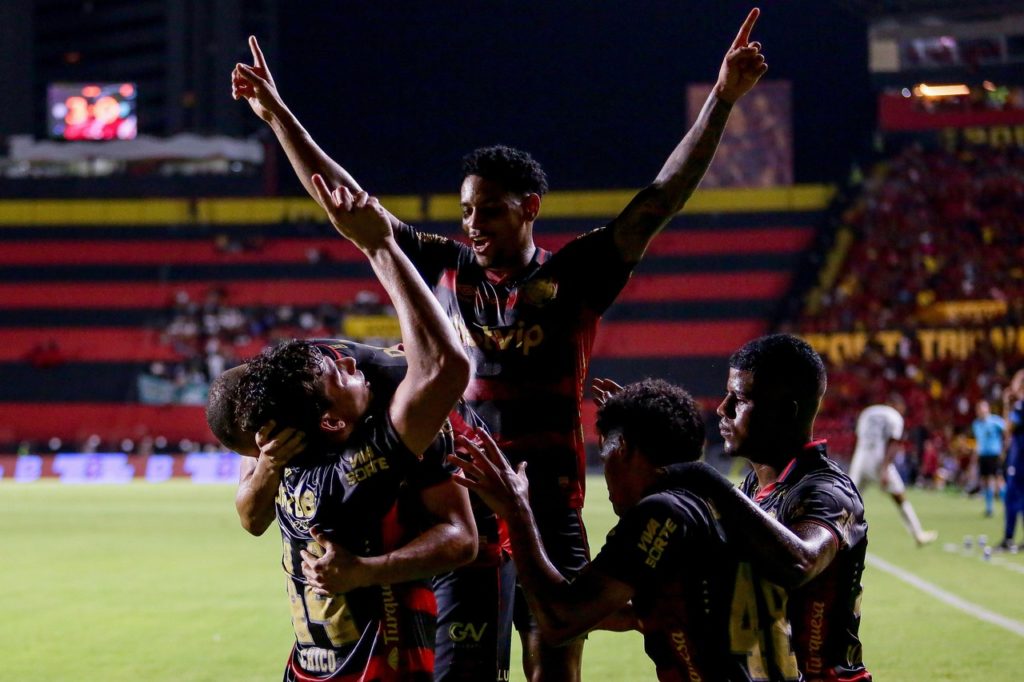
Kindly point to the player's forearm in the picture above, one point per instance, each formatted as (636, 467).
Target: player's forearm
(547, 591)
(254, 500)
(778, 551)
(306, 156)
(652, 208)
(442, 547)
(432, 348)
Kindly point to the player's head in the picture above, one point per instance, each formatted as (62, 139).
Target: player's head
(500, 196)
(1017, 385)
(982, 409)
(297, 386)
(773, 392)
(222, 415)
(896, 401)
(645, 426)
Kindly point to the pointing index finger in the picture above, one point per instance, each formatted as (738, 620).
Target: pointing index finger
(257, 53)
(743, 37)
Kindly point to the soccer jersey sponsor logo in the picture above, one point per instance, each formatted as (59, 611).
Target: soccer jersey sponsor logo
(517, 337)
(654, 540)
(316, 660)
(813, 663)
(682, 647)
(390, 625)
(365, 464)
(460, 632)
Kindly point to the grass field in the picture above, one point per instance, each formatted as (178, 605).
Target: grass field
(158, 582)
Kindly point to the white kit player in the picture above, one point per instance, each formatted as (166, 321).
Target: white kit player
(879, 431)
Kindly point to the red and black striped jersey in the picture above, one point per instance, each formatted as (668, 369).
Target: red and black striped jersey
(705, 614)
(826, 611)
(365, 497)
(529, 336)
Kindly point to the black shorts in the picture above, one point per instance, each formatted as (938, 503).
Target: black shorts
(474, 622)
(988, 465)
(565, 542)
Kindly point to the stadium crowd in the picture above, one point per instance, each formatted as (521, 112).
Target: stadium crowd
(932, 228)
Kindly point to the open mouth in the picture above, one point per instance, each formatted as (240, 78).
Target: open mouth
(480, 243)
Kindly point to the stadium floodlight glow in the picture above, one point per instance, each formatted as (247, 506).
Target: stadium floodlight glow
(925, 90)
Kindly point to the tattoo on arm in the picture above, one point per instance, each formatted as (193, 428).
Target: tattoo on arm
(652, 208)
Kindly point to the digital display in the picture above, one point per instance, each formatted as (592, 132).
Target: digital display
(92, 111)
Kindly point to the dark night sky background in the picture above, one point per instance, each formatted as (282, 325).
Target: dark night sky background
(399, 91)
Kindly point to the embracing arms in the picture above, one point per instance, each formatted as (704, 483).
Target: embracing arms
(789, 556)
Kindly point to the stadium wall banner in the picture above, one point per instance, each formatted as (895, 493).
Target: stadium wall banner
(934, 344)
(103, 467)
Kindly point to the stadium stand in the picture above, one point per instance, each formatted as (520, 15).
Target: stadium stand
(929, 298)
(103, 306)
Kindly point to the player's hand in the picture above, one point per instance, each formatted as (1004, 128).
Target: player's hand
(489, 475)
(279, 448)
(743, 65)
(256, 84)
(336, 572)
(603, 389)
(358, 217)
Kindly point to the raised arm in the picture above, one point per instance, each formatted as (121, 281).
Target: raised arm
(564, 609)
(438, 367)
(788, 556)
(256, 85)
(652, 208)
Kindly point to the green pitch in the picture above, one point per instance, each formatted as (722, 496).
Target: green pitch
(158, 582)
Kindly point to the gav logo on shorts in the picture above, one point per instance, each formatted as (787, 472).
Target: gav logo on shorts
(458, 632)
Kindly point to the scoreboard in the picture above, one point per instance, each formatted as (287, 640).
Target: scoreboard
(92, 111)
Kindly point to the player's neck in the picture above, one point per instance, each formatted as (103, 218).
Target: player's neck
(768, 466)
(512, 265)
(767, 474)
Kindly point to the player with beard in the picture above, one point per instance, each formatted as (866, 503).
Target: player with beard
(528, 317)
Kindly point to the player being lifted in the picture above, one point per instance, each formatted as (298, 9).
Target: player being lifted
(527, 318)
(345, 488)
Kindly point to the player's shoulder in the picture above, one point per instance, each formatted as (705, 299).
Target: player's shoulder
(826, 479)
(884, 411)
(438, 245)
(677, 503)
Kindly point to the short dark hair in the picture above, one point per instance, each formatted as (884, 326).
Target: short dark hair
(784, 361)
(659, 419)
(513, 169)
(283, 384)
(221, 414)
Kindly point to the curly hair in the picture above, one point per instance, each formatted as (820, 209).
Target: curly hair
(659, 419)
(784, 361)
(221, 414)
(283, 384)
(513, 169)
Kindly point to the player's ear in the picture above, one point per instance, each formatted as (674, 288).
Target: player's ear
(531, 206)
(331, 425)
